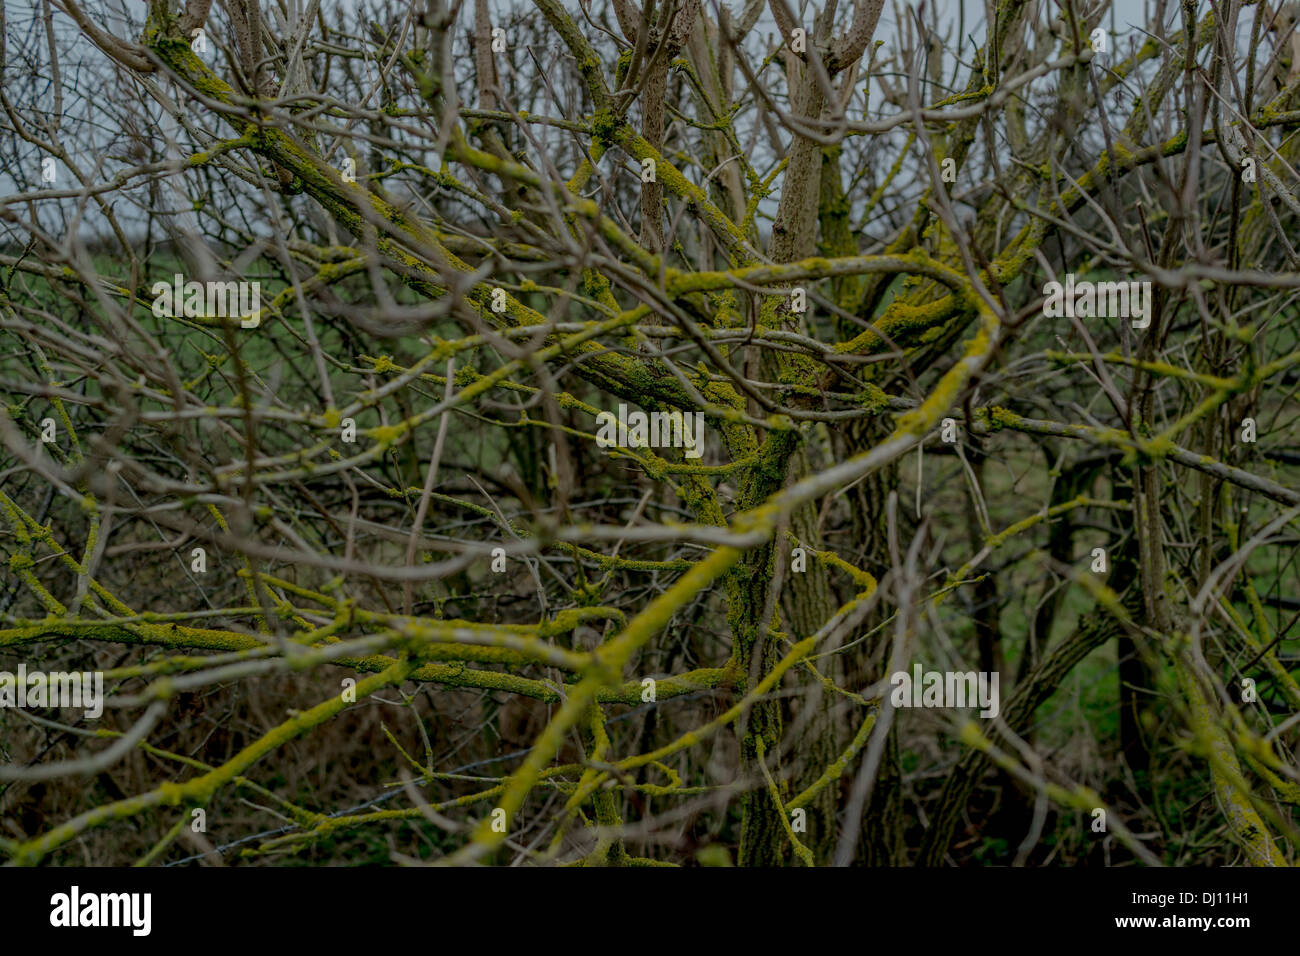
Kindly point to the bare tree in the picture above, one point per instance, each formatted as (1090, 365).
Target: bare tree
(671, 431)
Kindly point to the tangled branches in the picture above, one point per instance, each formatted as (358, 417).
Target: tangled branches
(567, 434)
